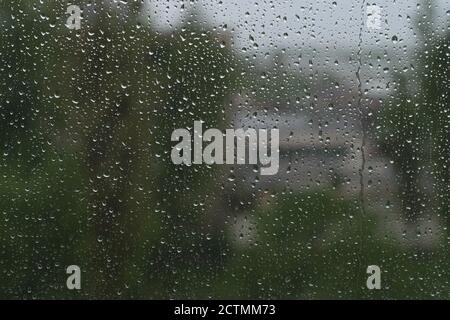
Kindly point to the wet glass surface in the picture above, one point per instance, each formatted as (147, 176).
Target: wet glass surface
(91, 93)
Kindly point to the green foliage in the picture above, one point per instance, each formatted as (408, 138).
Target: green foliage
(86, 177)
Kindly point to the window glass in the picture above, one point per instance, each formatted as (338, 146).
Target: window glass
(224, 149)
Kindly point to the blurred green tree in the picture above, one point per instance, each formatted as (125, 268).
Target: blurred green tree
(414, 124)
(87, 117)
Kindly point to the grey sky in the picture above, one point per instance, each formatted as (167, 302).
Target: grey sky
(298, 24)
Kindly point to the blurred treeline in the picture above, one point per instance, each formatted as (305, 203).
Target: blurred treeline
(86, 177)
